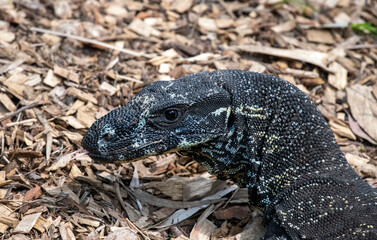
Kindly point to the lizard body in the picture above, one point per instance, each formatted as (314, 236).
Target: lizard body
(261, 132)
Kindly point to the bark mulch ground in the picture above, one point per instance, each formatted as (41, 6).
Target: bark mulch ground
(65, 63)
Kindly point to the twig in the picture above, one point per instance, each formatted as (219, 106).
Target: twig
(9, 115)
(27, 121)
(14, 132)
(231, 14)
(12, 65)
(196, 23)
(2, 146)
(123, 77)
(47, 127)
(94, 42)
(361, 46)
(137, 229)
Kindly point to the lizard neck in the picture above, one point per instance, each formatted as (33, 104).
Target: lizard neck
(276, 138)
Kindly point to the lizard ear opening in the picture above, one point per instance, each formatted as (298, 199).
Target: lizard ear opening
(231, 119)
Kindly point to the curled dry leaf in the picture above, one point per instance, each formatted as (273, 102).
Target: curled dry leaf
(364, 108)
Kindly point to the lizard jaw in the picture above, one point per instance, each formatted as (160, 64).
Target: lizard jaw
(101, 158)
(111, 159)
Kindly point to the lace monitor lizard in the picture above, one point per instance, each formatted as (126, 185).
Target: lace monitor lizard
(258, 130)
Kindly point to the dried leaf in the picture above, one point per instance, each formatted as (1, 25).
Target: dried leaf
(366, 116)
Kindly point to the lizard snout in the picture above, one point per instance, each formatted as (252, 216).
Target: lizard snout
(89, 142)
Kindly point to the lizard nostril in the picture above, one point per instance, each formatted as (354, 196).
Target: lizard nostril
(106, 137)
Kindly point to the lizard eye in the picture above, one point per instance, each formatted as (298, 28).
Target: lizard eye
(171, 114)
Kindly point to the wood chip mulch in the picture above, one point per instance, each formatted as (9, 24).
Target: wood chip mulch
(65, 63)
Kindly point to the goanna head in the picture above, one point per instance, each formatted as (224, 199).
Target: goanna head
(165, 116)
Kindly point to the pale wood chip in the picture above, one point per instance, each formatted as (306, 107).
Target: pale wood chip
(202, 57)
(27, 223)
(361, 165)
(116, 10)
(342, 17)
(320, 36)
(173, 187)
(161, 213)
(34, 80)
(122, 233)
(339, 78)
(72, 121)
(200, 8)
(196, 188)
(7, 102)
(108, 176)
(12, 65)
(207, 25)
(284, 27)
(87, 97)
(19, 237)
(142, 28)
(64, 232)
(43, 224)
(68, 74)
(107, 88)
(161, 163)
(50, 39)
(164, 68)
(85, 117)
(257, 67)
(37, 209)
(224, 22)
(75, 172)
(166, 56)
(8, 218)
(341, 128)
(141, 169)
(288, 78)
(62, 9)
(56, 191)
(330, 3)
(135, 5)
(74, 137)
(255, 229)
(7, 36)
(86, 219)
(50, 79)
(181, 6)
(15, 84)
(301, 73)
(76, 105)
(203, 230)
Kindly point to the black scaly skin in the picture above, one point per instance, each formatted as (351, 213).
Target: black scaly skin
(258, 130)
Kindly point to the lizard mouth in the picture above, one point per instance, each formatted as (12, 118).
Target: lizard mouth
(132, 154)
(101, 158)
(111, 159)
